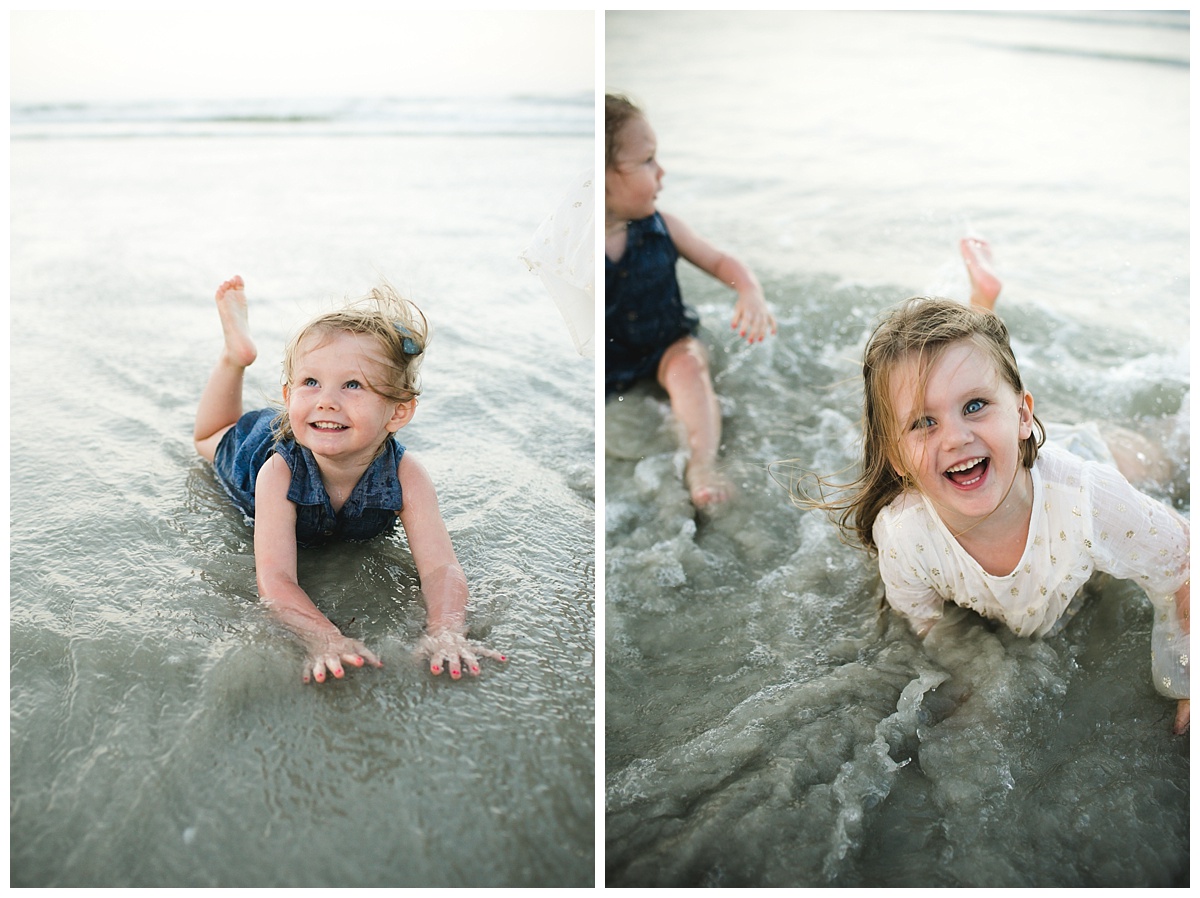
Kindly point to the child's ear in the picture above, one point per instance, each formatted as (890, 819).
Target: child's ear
(402, 415)
(1025, 412)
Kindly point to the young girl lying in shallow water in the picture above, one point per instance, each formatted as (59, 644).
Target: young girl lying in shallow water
(327, 468)
(963, 500)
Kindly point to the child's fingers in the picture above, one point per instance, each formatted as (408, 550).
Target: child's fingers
(452, 652)
(320, 668)
(488, 653)
(314, 672)
(357, 654)
(436, 660)
(754, 326)
(470, 662)
(453, 663)
(334, 664)
(368, 656)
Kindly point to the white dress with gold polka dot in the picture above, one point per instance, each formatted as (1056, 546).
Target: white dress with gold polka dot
(1086, 518)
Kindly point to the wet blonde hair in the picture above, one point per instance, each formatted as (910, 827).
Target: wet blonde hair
(618, 111)
(921, 328)
(396, 324)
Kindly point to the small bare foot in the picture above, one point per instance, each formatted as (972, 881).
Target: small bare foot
(235, 322)
(985, 286)
(708, 486)
(1183, 714)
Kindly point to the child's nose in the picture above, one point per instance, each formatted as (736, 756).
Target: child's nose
(956, 433)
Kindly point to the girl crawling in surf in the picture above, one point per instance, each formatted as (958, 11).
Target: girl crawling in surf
(648, 331)
(964, 500)
(326, 467)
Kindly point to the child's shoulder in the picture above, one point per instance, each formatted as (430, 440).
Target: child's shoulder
(907, 512)
(1059, 467)
(655, 223)
(906, 502)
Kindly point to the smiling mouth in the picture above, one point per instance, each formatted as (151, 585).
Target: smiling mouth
(968, 473)
(327, 426)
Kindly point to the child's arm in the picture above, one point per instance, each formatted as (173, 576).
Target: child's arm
(904, 590)
(751, 316)
(442, 580)
(275, 566)
(1144, 540)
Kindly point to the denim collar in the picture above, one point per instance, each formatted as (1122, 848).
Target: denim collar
(379, 487)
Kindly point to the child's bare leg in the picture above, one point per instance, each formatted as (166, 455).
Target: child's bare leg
(985, 286)
(683, 373)
(221, 402)
(1139, 460)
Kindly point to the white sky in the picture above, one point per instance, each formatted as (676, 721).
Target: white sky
(68, 55)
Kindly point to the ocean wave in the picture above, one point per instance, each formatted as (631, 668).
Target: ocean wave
(571, 115)
(1088, 53)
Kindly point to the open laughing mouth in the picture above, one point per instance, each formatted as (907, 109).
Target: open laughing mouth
(968, 473)
(327, 426)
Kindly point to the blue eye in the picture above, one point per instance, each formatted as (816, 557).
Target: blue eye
(308, 382)
(353, 385)
(922, 423)
(974, 405)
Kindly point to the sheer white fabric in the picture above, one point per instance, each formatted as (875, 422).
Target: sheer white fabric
(1086, 518)
(563, 254)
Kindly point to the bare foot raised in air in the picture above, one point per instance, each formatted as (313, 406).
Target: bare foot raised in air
(707, 486)
(985, 286)
(235, 323)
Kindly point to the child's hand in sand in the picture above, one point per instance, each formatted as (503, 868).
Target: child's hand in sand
(327, 653)
(752, 317)
(449, 648)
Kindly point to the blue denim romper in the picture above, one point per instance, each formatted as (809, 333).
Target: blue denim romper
(643, 308)
(371, 509)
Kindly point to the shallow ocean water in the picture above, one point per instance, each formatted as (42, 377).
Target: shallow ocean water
(160, 734)
(766, 723)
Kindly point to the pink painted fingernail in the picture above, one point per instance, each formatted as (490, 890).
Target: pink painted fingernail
(474, 668)
(435, 669)
(502, 658)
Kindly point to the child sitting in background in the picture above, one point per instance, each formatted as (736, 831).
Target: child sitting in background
(649, 332)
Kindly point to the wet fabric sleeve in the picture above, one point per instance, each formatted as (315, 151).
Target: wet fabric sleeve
(906, 590)
(1136, 538)
(563, 254)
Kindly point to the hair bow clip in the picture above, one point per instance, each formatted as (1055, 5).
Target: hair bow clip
(409, 345)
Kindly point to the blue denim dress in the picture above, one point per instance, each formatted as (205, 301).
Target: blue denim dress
(643, 308)
(371, 509)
